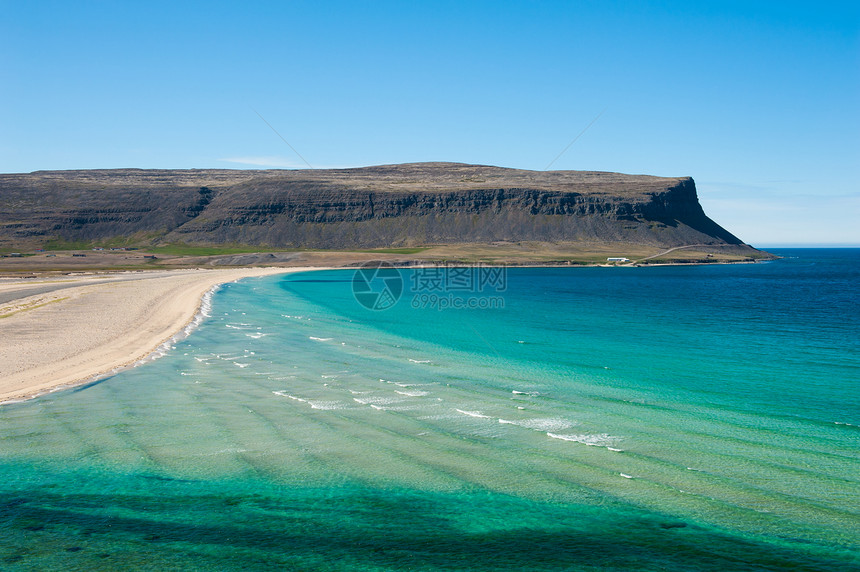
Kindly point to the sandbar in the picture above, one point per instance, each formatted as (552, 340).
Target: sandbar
(57, 333)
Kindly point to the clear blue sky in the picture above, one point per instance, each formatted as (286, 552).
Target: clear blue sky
(758, 101)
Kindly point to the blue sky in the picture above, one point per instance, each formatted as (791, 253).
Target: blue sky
(758, 101)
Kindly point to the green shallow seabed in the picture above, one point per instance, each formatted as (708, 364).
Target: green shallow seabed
(659, 418)
(142, 521)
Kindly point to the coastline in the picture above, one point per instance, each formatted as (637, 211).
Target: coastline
(62, 334)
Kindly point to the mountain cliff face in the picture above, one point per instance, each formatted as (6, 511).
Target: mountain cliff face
(395, 205)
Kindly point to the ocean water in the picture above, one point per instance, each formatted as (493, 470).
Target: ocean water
(667, 418)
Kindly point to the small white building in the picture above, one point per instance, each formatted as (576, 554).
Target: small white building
(617, 259)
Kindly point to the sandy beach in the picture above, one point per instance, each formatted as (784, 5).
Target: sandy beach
(59, 332)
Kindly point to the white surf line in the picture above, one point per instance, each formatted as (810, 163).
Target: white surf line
(293, 397)
(412, 393)
(590, 439)
(541, 424)
(476, 414)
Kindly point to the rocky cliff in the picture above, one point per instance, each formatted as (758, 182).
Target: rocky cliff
(393, 205)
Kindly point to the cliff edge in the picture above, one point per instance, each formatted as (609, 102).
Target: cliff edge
(373, 207)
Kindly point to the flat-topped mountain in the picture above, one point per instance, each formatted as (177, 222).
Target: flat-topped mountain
(391, 205)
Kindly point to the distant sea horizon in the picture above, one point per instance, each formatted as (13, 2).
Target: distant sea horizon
(654, 418)
(820, 245)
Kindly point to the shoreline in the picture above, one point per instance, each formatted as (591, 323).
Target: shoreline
(93, 326)
(45, 342)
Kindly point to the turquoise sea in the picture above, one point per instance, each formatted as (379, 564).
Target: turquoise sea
(666, 418)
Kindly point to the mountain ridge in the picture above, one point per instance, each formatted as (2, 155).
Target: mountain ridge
(409, 204)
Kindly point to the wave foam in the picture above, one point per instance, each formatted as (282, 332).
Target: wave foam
(476, 414)
(293, 397)
(376, 400)
(542, 424)
(203, 312)
(326, 405)
(592, 440)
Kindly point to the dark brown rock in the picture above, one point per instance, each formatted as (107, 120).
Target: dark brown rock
(392, 205)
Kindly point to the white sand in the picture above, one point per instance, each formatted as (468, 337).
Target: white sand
(68, 336)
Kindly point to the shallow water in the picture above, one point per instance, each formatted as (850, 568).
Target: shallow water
(606, 418)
